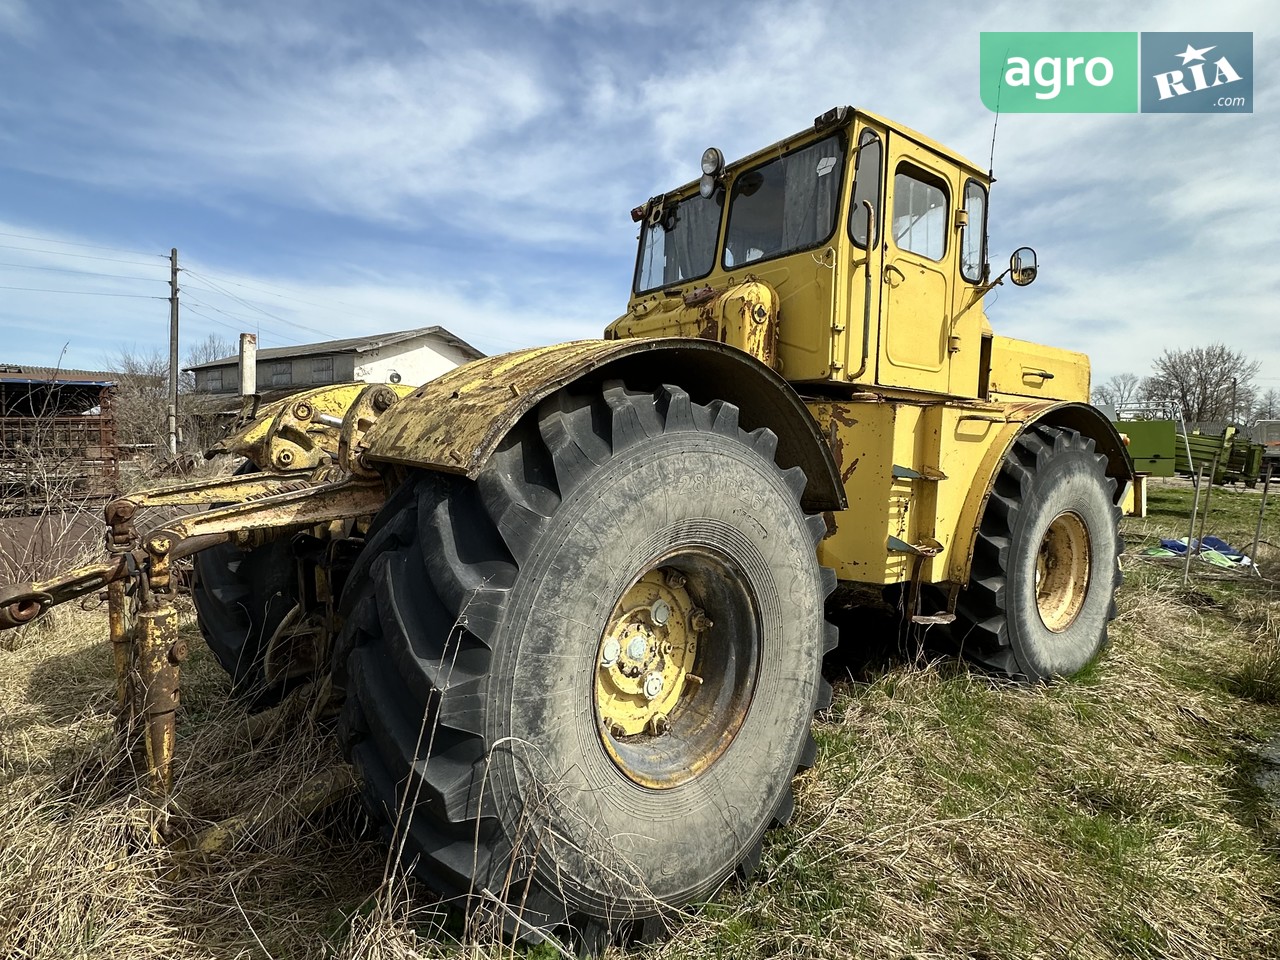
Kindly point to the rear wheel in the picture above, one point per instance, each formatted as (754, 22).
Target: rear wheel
(1045, 567)
(241, 597)
(580, 686)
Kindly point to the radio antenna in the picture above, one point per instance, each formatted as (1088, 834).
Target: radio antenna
(991, 161)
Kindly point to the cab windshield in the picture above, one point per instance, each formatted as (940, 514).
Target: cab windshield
(787, 204)
(678, 242)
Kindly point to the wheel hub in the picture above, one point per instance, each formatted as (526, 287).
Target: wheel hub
(646, 655)
(1062, 571)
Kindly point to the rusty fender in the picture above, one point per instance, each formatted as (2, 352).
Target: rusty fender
(454, 423)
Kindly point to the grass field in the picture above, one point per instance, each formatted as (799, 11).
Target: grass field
(1121, 814)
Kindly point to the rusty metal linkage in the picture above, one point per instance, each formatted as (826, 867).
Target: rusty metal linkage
(149, 646)
(317, 479)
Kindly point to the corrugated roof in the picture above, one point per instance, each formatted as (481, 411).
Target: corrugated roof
(24, 373)
(349, 345)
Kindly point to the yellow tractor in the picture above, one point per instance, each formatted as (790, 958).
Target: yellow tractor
(572, 599)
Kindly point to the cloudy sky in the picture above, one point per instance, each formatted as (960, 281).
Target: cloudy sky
(332, 168)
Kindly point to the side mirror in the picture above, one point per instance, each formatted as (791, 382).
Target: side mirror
(1022, 266)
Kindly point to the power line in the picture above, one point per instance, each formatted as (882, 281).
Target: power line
(253, 321)
(186, 306)
(83, 273)
(82, 256)
(252, 306)
(268, 288)
(86, 293)
(74, 243)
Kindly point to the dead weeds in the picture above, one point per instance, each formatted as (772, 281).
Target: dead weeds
(948, 815)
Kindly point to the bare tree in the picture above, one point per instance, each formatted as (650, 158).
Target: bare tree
(1206, 383)
(212, 347)
(142, 397)
(200, 429)
(1121, 389)
(1267, 406)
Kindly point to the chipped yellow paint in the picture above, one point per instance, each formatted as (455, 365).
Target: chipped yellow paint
(650, 640)
(949, 453)
(1062, 570)
(288, 435)
(742, 315)
(303, 433)
(454, 422)
(233, 489)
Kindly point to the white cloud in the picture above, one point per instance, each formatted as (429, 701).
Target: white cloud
(519, 137)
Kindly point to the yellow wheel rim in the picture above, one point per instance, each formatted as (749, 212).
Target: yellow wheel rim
(646, 655)
(1062, 571)
(660, 722)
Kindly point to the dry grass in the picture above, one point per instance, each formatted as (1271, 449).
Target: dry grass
(80, 872)
(948, 816)
(951, 816)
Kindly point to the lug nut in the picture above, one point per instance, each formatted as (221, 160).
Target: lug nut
(675, 579)
(657, 724)
(653, 686)
(699, 620)
(609, 655)
(660, 613)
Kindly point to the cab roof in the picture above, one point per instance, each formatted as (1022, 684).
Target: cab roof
(844, 117)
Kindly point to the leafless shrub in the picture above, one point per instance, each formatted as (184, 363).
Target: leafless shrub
(142, 400)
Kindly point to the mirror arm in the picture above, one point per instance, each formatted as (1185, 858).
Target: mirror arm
(978, 294)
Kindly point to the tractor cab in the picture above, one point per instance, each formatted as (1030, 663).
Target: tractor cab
(861, 241)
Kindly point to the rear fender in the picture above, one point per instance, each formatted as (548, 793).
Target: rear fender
(1018, 418)
(454, 423)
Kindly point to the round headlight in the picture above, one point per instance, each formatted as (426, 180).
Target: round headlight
(707, 186)
(712, 161)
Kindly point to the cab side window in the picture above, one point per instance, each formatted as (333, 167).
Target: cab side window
(866, 186)
(973, 236)
(919, 212)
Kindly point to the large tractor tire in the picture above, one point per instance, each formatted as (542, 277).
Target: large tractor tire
(1045, 567)
(241, 597)
(579, 687)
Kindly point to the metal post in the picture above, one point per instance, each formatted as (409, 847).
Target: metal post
(1195, 508)
(1257, 531)
(248, 364)
(173, 351)
(1208, 496)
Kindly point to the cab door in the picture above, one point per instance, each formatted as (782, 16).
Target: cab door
(919, 262)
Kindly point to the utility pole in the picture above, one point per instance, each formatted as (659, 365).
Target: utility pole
(173, 351)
